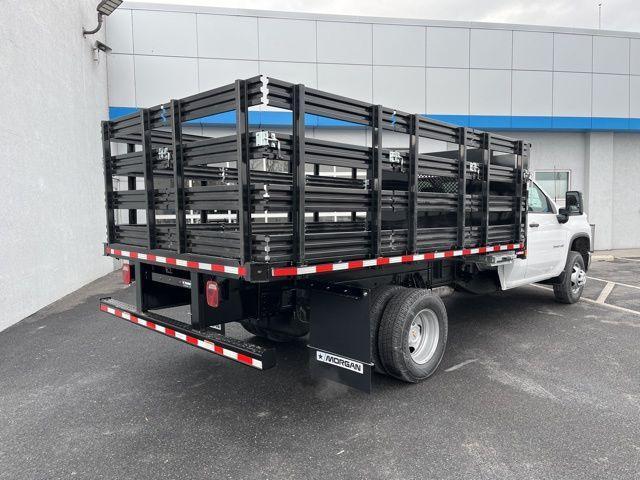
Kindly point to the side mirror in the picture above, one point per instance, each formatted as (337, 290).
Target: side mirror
(573, 202)
(562, 216)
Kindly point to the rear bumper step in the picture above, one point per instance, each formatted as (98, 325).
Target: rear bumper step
(242, 352)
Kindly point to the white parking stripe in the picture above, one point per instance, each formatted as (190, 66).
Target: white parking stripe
(608, 288)
(461, 364)
(583, 299)
(616, 283)
(630, 259)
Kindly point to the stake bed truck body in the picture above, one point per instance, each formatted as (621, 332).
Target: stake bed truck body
(347, 245)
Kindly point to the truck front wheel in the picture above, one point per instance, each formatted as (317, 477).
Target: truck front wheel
(573, 280)
(413, 335)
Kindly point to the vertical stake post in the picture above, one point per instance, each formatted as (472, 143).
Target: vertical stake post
(244, 170)
(486, 186)
(521, 197)
(147, 164)
(178, 175)
(462, 186)
(375, 180)
(298, 174)
(316, 172)
(414, 151)
(131, 185)
(108, 181)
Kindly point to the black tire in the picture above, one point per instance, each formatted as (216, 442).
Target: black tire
(395, 327)
(379, 299)
(571, 287)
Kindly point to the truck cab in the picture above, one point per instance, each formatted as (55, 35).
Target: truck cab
(552, 235)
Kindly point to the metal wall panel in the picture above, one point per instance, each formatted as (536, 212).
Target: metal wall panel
(610, 96)
(447, 47)
(532, 50)
(490, 48)
(532, 93)
(355, 81)
(164, 33)
(158, 79)
(448, 91)
(341, 42)
(634, 56)
(287, 40)
(119, 31)
(213, 73)
(490, 92)
(305, 73)
(121, 80)
(571, 94)
(225, 36)
(572, 53)
(610, 55)
(400, 45)
(400, 87)
(634, 96)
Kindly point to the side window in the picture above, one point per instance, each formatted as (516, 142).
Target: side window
(537, 202)
(555, 183)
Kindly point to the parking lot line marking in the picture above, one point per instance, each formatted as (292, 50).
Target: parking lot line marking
(616, 283)
(608, 288)
(630, 259)
(608, 305)
(615, 307)
(461, 364)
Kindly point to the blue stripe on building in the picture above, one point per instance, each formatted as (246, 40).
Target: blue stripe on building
(486, 122)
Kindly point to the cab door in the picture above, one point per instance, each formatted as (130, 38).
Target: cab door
(545, 243)
(546, 237)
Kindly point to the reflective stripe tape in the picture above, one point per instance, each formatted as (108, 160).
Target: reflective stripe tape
(240, 271)
(204, 344)
(327, 267)
(375, 262)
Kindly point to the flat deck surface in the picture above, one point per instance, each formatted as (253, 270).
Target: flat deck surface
(528, 388)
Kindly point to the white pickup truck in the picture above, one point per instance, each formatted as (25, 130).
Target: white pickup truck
(559, 246)
(363, 288)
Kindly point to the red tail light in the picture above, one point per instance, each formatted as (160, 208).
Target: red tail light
(212, 293)
(126, 274)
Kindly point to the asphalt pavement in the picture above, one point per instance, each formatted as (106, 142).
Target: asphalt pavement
(528, 388)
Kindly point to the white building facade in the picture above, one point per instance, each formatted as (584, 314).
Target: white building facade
(573, 93)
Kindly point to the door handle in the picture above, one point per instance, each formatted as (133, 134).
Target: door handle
(534, 225)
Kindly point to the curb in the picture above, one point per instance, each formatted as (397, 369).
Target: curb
(602, 258)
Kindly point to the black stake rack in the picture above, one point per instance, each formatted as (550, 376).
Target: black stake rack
(261, 198)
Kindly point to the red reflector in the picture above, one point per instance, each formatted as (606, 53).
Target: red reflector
(211, 292)
(126, 273)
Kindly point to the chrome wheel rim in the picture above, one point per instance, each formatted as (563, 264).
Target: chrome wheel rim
(578, 278)
(423, 337)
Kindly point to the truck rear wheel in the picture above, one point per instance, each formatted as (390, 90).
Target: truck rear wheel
(413, 335)
(574, 279)
(380, 298)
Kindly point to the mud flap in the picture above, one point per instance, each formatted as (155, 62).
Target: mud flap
(339, 339)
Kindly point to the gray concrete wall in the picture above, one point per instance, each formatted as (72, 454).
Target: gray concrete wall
(625, 195)
(53, 97)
